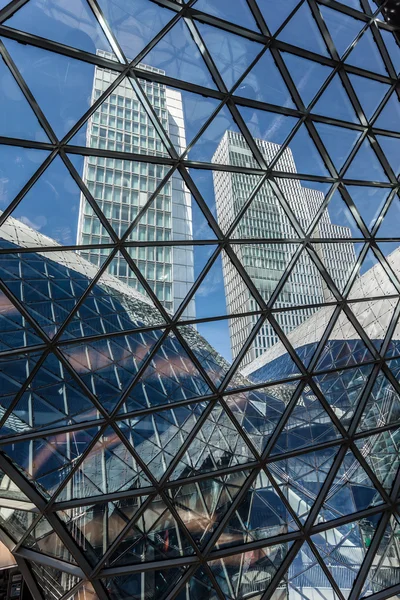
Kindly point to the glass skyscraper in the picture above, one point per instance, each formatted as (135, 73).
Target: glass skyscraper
(247, 149)
(265, 262)
(122, 188)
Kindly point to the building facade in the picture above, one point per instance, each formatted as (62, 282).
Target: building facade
(266, 262)
(123, 187)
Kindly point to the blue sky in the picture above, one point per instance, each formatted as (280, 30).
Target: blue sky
(62, 88)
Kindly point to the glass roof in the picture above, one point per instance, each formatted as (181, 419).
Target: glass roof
(200, 298)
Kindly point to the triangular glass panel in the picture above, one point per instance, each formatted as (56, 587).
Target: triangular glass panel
(357, 4)
(253, 256)
(216, 445)
(107, 467)
(250, 572)
(211, 343)
(382, 453)
(269, 131)
(42, 538)
(301, 21)
(374, 281)
(62, 86)
(295, 293)
(309, 330)
(369, 202)
(385, 561)
(212, 185)
(308, 76)
(260, 515)
(305, 198)
(220, 140)
(335, 103)
(365, 55)
(52, 398)
(369, 92)
(388, 227)
(15, 518)
(392, 47)
(47, 461)
(170, 377)
(343, 390)
(187, 112)
(17, 167)
(366, 166)
(344, 547)
(307, 425)
(202, 505)
(61, 582)
(383, 405)
(16, 332)
(122, 123)
(344, 255)
(213, 299)
(113, 307)
(300, 478)
(157, 437)
(302, 577)
(259, 411)
(343, 28)
(17, 118)
(170, 271)
(275, 14)
(337, 221)
(375, 317)
(338, 141)
(135, 25)
(146, 582)
(307, 159)
(172, 215)
(198, 587)
(391, 148)
(238, 13)
(259, 366)
(50, 289)
(178, 56)
(155, 535)
(351, 491)
(57, 209)
(96, 526)
(273, 90)
(108, 366)
(231, 53)
(120, 188)
(343, 348)
(14, 371)
(74, 25)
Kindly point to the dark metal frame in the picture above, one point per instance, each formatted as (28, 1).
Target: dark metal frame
(268, 172)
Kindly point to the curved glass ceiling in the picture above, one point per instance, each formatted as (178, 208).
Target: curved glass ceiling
(200, 298)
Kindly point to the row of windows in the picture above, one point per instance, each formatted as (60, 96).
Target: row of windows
(118, 178)
(153, 272)
(127, 214)
(137, 113)
(154, 146)
(117, 122)
(93, 233)
(129, 166)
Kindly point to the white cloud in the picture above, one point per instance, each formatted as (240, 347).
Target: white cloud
(38, 222)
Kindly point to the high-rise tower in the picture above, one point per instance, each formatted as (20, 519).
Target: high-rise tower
(265, 263)
(122, 187)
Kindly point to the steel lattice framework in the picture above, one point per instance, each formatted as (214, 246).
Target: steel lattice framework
(192, 532)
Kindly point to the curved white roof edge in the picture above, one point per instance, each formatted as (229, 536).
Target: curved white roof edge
(372, 315)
